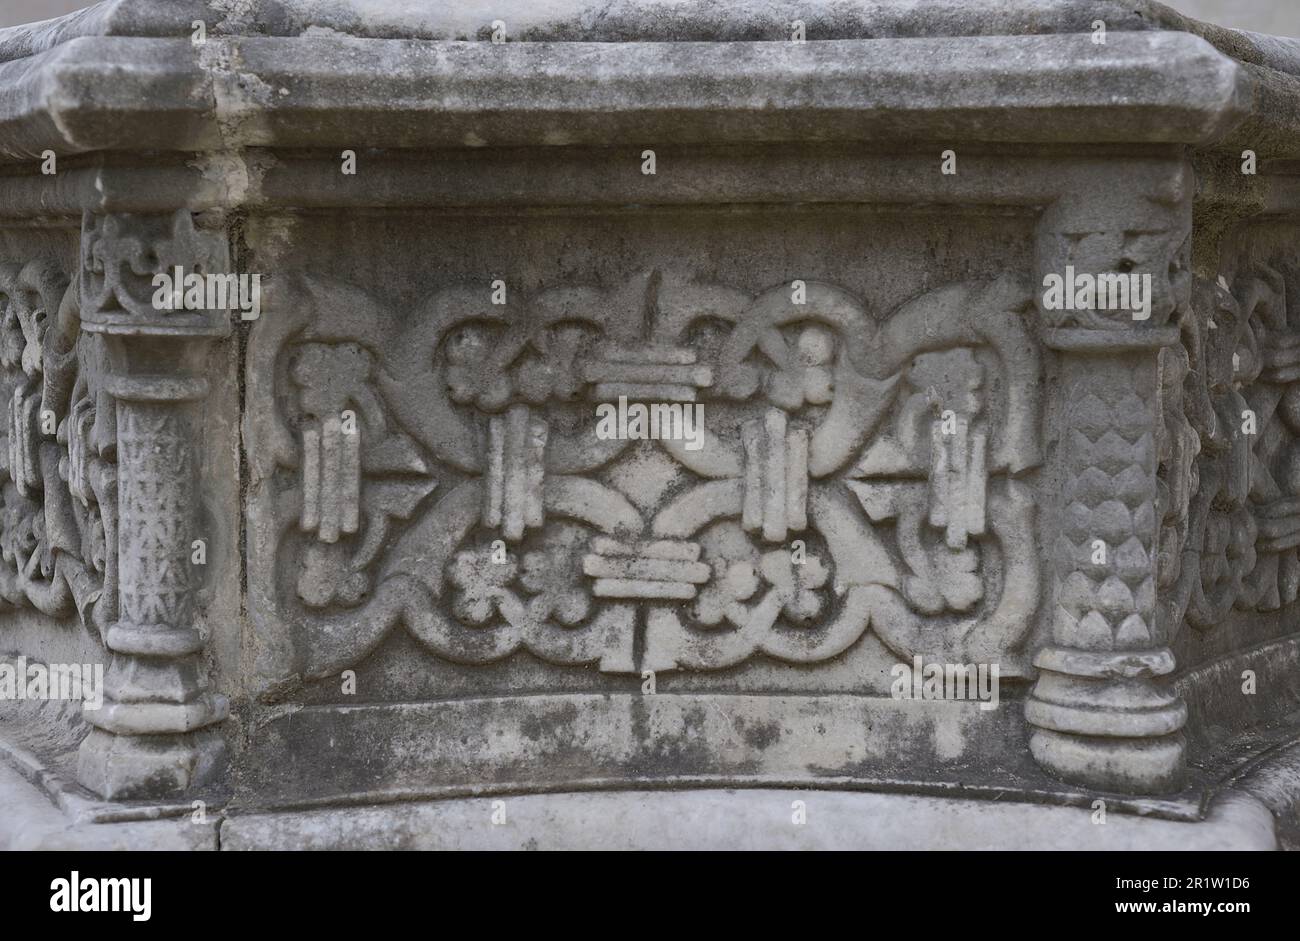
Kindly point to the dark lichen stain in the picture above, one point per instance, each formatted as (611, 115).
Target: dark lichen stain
(761, 736)
(538, 728)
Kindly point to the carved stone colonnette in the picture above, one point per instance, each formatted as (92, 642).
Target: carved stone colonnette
(1099, 714)
(153, 736)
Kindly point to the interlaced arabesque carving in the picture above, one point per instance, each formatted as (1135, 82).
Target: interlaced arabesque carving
(58, 540)
(1231, 449)
(440, 468)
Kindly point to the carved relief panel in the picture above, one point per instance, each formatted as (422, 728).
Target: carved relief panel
(58, 496)
(1231, 451)
(443, 471)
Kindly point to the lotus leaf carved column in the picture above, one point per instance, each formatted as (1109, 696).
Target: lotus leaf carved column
(1101, 714)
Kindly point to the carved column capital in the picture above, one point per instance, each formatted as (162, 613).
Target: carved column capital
(122, 253)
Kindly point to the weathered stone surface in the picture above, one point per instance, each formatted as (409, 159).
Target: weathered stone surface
(745, 820)
(387, 531)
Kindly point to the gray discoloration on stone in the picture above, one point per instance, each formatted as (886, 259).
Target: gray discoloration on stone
(422, 577)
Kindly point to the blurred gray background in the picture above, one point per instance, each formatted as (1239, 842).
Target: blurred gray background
(1281, 17)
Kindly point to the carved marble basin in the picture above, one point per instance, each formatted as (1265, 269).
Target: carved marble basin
(564, 398)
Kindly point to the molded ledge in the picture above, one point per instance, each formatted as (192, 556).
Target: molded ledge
(109, 93)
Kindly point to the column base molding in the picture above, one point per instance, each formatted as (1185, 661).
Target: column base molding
(136, 767)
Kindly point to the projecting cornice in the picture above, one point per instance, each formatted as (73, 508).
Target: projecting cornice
(126, 76)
